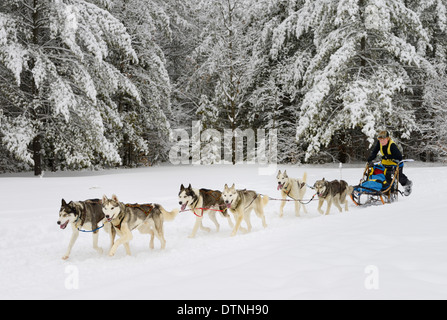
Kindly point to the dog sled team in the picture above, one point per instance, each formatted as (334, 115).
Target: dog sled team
(118, 218)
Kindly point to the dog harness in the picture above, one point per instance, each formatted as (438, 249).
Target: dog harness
(147, 212)
(284, 189)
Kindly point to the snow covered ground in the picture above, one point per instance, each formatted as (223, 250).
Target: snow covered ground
(396, 251)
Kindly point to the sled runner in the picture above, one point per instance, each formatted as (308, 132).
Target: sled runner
(379, 184)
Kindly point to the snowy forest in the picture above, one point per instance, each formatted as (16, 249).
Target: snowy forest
(103, 83)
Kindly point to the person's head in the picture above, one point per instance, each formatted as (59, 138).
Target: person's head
(383, 137)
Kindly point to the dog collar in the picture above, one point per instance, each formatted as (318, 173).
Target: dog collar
(193, 205)
(285, 187)
(76, 221)
(120, 216)
(236, 204)
(324, 194)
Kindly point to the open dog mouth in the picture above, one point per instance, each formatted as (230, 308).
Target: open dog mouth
(280, 186)
(183, 206)
(63, 226)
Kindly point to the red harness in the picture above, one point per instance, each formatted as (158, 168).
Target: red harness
(203, 209)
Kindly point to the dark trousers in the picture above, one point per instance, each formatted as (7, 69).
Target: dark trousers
(402, 178)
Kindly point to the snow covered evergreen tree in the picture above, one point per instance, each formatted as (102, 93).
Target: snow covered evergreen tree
(430, 141)
(146, 128)
(56, 53)
(86, 90)
(216, 83)
(360, 71)
(273, 93)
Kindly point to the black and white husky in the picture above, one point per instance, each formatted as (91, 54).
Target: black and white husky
(147, 218)
(85, 216)
(334, 192)
(241, 203)
(202, 201)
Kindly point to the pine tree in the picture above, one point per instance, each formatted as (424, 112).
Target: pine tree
(146, 127)
(366, 59)
(274, 86)
(215, 87)
(429, 142)
(56, 52)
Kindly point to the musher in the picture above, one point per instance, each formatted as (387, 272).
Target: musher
(391, 155)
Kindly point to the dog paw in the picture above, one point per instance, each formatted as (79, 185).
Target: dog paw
(64, 257)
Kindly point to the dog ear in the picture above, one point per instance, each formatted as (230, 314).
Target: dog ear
(114, 198)
(64, 204)
(279, 173)
(233, 187)
(323, 179)
(104, 198)
(182, 187)
(285, 174)
(226, 186)
(189, 187)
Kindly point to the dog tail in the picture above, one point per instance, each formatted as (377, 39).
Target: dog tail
(349, 189)
(169, 215)
(265, 200)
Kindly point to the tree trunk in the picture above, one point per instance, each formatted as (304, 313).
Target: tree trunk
(37, 141)
(37, 147)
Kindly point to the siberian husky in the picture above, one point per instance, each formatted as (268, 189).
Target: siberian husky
(241, 203)
(199, 200)
(83, 215)
(294, 188)
(147, 218)
(333, 192)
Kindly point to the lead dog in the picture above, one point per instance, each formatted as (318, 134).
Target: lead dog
(83, 215)
(241, 203)
(197, 199)
(147, 218)
(333, 192)
(294, 188)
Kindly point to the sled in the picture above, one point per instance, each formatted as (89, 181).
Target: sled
(379, 184)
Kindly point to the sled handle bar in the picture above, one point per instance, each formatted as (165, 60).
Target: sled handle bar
(400, 162)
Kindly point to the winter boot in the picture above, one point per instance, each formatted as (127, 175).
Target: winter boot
(407, 189)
